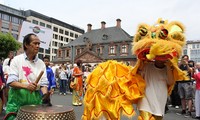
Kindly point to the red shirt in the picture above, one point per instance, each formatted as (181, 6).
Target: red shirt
(197, 78)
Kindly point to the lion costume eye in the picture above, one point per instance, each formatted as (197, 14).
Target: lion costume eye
(142, 31)
(163, 33)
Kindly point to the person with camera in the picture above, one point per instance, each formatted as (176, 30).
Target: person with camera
(185, 88)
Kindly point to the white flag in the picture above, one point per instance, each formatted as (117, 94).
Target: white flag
(45, 34)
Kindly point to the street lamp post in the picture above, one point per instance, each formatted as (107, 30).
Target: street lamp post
(72, 54)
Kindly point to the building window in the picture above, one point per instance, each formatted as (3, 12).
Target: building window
(55, 29)
(15, 20)
(71, 34)
(4, 32)
(67, 39)
(55, 51)
(76, 36)
(66, 33)
(56, 44)
(55, 36)
(193, 46)
(59, 53)
(47, 51)
(61, 44)
(47, 56)
(42, 24)
(48, 26)
(67, 53)
(195, 55)
(78, 51)
(112, 50)
(197, 45)
(15, 28)
(99, 50)
(104, 37)
(185, 52)
(21, 21)
(61, 38)
(41, 50)
(124, 49)
(40, 56)
(5, 17)
(5, 25)
(61, 31)
(35, 22)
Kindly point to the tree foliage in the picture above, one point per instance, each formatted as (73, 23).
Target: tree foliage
(8, 43)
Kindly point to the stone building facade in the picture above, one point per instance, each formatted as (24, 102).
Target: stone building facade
(98, 45)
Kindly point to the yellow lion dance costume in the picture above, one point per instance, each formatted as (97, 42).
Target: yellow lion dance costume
(113, 87)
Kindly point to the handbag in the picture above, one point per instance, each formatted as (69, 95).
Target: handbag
(73, 83)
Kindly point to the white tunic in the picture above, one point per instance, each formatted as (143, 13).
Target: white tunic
(156, 90)
(25, 71)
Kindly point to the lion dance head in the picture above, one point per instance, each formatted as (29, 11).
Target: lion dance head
(162, 41)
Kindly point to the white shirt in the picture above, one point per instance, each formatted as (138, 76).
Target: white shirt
(156, 90)
(86, 74)
(54, 70)
(63, 75)
(25, 71)
(5, 62)
(6, 67)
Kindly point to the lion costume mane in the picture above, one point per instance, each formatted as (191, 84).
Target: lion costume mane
(113, 87)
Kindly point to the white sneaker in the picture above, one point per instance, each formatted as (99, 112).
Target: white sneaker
(177, 107)
(64, 94)
(170, 105)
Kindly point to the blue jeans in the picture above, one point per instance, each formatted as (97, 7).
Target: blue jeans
(63, 84)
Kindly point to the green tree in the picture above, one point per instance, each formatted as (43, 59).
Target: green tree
(8, 43)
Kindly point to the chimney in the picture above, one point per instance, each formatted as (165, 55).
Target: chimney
(118, 23)
(103, 25)
(89, 27)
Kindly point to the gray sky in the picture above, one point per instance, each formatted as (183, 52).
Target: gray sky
(131, 12)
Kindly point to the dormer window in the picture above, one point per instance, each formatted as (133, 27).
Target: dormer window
(105, 37)
(85, 39)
